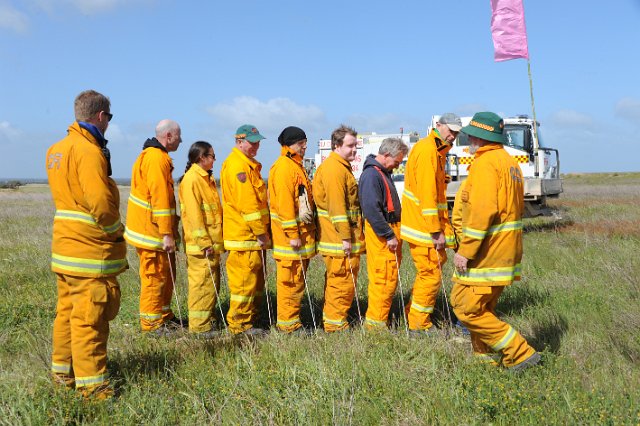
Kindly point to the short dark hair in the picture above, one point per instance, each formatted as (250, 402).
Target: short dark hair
(89, 103)
(337, 137)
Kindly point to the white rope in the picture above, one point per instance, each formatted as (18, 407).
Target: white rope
(355, 288)
(215, 288)
(402, 309)
(175, 288)
(266, 287)
(306, 286)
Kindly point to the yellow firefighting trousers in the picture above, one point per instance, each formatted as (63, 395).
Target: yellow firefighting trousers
(81, 330)
(246, 288)
(156, 287)
(475, 308)
(340, 276)
(202, 294)
(429, 263)
(290, 290)
(382, 268)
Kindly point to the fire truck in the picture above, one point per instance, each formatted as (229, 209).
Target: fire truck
(540, 164)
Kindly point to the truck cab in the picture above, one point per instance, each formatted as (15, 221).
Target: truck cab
(540, 164)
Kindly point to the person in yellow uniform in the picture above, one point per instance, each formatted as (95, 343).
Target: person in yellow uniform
(335, 191)
(245, 228)
(292, 226)
(88, 250)
(152, 227)
(201, 214)
(425, 221)
(490, 250)
(381, 209)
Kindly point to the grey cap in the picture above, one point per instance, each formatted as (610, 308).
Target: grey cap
(452, 121)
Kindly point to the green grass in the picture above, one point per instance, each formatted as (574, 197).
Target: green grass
(579, 303)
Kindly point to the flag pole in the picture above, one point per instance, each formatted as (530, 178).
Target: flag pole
(535, 121)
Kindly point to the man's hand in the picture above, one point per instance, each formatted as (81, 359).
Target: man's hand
(460, 263)
(392, 244)
(295, 244)
(208, 251)
(263, 240)
(168, 243)
(346, 247)
(438, 240)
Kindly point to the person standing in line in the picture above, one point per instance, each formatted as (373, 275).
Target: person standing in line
(490, 251)
(381, 209)
(335, 190)
(245, 228)
(292, 226)
(201, 213)
(425, 221)
(88, 250)
(152, 226)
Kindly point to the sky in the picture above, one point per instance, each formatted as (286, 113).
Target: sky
(375, 65)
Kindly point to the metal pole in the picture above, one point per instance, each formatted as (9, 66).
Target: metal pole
(402, 309)
(306, 286)
(175, 288)
(266, 287)
(215, 288)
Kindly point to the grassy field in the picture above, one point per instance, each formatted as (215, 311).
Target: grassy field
(579, 303)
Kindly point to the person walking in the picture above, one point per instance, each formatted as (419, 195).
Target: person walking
(490, 250)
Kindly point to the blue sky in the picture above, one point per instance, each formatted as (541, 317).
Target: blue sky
(375, 65)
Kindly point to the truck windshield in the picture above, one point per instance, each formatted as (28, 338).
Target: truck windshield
(518, 137)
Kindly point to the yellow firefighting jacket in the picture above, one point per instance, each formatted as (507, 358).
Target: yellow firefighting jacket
(286, 177)
(492, 207)
(87, 233)
(151, 209)
(244, 202)
(201, 211)
(335, 191)
(424, 199)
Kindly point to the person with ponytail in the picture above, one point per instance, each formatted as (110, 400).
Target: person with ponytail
(202, 229)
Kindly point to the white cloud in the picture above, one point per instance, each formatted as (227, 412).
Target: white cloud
(86, 7)
(628, 109)
(9, 134)
(385, 123)
(12, 19)
(571, 119)
(270, 116)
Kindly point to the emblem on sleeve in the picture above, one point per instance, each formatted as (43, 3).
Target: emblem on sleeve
(242, 177)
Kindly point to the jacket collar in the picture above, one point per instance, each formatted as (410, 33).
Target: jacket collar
(340, 160)
(249, 161)
(289, 153)
(93, 135)
(488, 147)
(153, 143)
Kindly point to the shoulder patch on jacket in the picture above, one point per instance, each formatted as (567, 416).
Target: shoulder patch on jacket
(242, 177)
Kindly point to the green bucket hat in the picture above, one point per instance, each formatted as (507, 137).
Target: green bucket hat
(487, 126)
(249, 132)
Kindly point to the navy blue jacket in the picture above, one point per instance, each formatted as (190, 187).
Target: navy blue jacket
(373, 198)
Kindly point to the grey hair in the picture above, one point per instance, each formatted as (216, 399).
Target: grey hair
(165, 126)
(393, 147)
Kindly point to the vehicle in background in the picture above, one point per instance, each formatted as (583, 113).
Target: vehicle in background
(540, 164)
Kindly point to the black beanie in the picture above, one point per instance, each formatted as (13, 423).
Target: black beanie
(291, 135)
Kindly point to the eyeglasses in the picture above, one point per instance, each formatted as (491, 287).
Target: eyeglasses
(108, 114)
(213, 156)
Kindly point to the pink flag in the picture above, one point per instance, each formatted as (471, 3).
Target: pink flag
(508, 30)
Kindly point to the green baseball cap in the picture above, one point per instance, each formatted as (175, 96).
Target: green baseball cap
(249, 132)
(486, 125)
